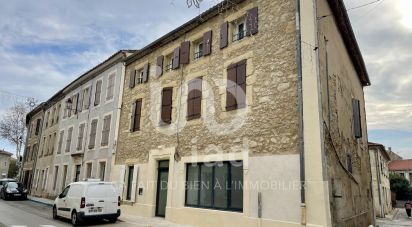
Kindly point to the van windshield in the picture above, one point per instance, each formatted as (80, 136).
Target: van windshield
(101, 191)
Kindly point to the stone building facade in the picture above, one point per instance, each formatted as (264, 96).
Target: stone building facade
(34, 121)
(44, 178)
(4, 163)
(244, 95)
(86, 145)
(380, 179)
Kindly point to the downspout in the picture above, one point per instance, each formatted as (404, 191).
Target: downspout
(300, 113)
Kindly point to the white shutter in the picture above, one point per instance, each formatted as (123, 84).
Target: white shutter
(121, 179)
(134, 183)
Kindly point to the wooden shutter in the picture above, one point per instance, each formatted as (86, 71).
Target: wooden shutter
(166, 114)
(252, 21)
(37, 127)
(137, 115)
(231, 87)
(185, 52)
(207, 43)
(194, 99)
(241, 83)
(93, 134)
(224, 28)
(80, 101)
(132, 77)
(133, 117)
(145, 72)
(356, 118)
(98, 93)
(176, 58)
(159, 66)
(106, 130)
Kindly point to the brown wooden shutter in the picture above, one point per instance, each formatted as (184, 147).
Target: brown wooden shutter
(194, 99)
(252, 21)
(132, 78)
(231, 87)
(207, 43)
(224, 28)
(138, 114)
(176, 58)
(356, 118)
(145, 72)
(166, 114)
(133, 117)
(241, 82)
(185, 52)
(159, 66)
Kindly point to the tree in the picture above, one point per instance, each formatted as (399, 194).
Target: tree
(13, 126)
(196, 3)
(401, 186)
(13, 169)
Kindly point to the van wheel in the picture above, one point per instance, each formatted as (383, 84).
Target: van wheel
(113, 220)
(55, 212)
(75, 218)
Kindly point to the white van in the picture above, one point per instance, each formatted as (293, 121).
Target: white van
(82, 201)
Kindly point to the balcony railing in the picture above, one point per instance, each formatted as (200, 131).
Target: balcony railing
(198, 54)
(239, 36)
(168, 67)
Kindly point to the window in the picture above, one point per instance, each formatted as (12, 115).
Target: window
(236, 86)
(357, 124)
(169, 62)
(102, 170)
(194, 99)
(56, 172)
(110, 87)
(129, 182)
(58, 113)
(239, 30)
(106, 130)
(49, 145)
(45, 175)
(46, 119)
(59, 149)
(34, 152)
(80, 137)
(52, 116)
(37, 127)
(166, 111)
(65, 192)
(198, 49)
(52, 143)
(88, 170)
(43, 147)
(349, 163)
(86, 98)
(93, 130)
(69, 139)
(139, 78)
(136, 114)
(98, 93)
(77, 173)
(215, 185)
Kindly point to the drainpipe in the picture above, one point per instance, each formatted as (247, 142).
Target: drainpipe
(300, 112)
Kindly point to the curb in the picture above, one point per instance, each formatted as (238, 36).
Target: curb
(40, 202)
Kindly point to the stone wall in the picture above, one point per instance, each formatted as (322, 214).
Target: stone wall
(269, 124)
(351, 194)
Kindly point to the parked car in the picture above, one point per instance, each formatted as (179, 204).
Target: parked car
(4, 181)
(13, 190)
(81, 201)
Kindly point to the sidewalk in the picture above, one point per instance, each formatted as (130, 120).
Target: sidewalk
(130, 219)
(399, 219)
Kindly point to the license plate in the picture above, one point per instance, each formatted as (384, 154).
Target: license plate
(17, 194)
(95, 210)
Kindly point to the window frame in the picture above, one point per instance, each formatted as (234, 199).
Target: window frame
(229, 190)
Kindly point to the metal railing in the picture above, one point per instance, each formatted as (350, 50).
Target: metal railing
(198, 54)
(239, 36)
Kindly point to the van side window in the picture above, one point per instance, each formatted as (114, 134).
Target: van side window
(65, 191)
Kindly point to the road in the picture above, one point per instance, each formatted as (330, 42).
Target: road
(31, 214)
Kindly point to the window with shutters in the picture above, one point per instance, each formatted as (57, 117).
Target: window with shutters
(37, 127)
(159, 65)
(52, 116)
(236, 86)
(59, 149)
(46, 120)
(49, 145)
(357, 121)
(98, 93)
(88, 172)
(215, 185)
(136, 115)
(194, 99)
(86, 98)
(43, 147)
(69, 139)
(166, 110)
(102, 170)
(75, 100)
(110, 87)
(168, 62)
(139, 77)
(79, 102)
(58, 113)
(34, 152)
(106, 130)
(80, 136)
(93, 129)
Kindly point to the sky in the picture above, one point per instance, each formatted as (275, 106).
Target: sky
(45, 44)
